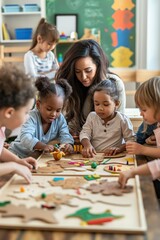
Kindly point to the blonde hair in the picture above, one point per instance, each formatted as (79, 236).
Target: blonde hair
(148, 95)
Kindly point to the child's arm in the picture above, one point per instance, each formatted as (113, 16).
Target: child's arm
(13, 167)
(7, 156)
(29, 65)
(151, 140)
(43, 147)
(88, 150)
(138, 149)
(13, 164)
(115, 150)
(142, 170)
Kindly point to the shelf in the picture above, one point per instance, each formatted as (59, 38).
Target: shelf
(20, 13)
(15, 41)
(20, 19)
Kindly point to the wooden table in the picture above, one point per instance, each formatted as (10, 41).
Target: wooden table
(151, 210)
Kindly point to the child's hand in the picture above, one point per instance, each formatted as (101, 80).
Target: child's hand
(67, 148)
(124, 176)
(134, 148)
(88, 151)
(6, 145)
(112, 151)
(22, 171)
(151, 140)
(48, 148)
(30, 163)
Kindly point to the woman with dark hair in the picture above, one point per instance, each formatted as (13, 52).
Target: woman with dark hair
(85, 64)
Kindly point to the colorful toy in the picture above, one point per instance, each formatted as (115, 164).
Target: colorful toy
(58, 154)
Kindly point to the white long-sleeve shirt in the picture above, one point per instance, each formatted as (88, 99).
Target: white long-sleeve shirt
(113, 134)
(35, 66)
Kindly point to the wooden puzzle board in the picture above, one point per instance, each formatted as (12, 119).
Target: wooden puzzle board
(87, 170)
(133, 211)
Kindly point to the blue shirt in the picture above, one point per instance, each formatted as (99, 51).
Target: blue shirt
(32, 133)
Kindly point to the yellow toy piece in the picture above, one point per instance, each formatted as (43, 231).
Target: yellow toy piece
(58, 154)
(78, 148)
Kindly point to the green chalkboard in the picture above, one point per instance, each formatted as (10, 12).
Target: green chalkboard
(95, 14)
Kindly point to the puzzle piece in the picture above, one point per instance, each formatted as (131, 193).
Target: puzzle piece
(28, 214)
(91, 218)
(69, 183)
(109, 188)
(56, 198)
(50, 169)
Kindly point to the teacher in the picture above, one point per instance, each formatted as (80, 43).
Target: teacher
(85, 64)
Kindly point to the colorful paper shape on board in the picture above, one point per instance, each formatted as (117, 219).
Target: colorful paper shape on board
(123, 38)
(114, 38)
(91, 218)
(109, 188)
(123, 4)
(28, 214)
(121, 57)
(122, 19)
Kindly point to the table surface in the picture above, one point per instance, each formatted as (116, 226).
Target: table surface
(151, 211)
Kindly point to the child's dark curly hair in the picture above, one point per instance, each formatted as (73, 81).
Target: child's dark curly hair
(47, 87)
(16, 88)
(108, 86)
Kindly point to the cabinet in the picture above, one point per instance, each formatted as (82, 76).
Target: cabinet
(20, 19)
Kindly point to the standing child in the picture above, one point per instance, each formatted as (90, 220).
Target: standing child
(40, 60)
(46, 122)
(147, 98)
(106, 130)
(16, 99)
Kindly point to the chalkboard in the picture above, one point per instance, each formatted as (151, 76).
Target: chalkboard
(99, 14)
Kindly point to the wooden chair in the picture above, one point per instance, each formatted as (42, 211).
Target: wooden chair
(138, 76)
(12, 54)
(143, 75)
(127, 76)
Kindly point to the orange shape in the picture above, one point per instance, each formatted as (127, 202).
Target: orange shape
(114, 39)
(22, 189)
(122, 19)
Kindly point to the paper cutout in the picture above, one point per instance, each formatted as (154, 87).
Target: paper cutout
(122, 19)
(109, 188)
(114, 38)
(86, 216)
(92, 177)
(123, 4)
(121, 57)
(69, 183)
(28, 214)
(50, 169)
(123, 38)
(56, 198)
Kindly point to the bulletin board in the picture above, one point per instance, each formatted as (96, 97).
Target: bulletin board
(115, 19)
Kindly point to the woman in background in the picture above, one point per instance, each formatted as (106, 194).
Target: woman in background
(85, 64)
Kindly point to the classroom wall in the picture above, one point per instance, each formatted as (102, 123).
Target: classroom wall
(115, 19)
